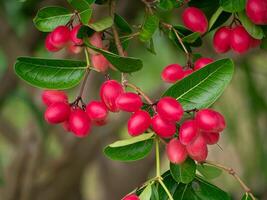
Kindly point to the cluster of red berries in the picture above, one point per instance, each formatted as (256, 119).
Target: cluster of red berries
(175, 72)
(237, 39)
(194, 136)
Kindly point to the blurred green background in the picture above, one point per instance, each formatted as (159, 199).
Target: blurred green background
(38, 161)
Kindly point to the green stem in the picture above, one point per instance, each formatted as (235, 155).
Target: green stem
(166, 189)
(157, 158)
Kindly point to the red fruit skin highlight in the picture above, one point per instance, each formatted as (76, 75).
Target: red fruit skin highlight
(97, 111)
(57, 112)
(100, 62)
(240, 39)
(129, 102)
(209, 120)
(53, 96)
(202, 62)
(198, 149)
(79, 123)
(73, 35)
(48, 44)
(257, 11)
(188, 132)
(195, 20)
(211, 137)
(172, 73)
(60, 36)
(138, 123)
(222, 39)
(163, 128)
(131, 197)
(176, 152)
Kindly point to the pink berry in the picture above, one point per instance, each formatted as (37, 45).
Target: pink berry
(211, 137)
(202, 62)
(188, 132)
(97, 112)
(79, 123)
(48, 44)
(222, 39)
(57, 112)
(198, 149)
(53, 96)
(187, 72)
(74, 49)
(170, 109)
(176, 151)
(240, 39)
(257, 11)
(139, 123)
(109, 92)
(163, 128)
(100, 62)
(131, 197)
(221, 122)
(172, 73)
(60, 36)
(73, 35)
(195, 20)
(96, 40)
(129, 102)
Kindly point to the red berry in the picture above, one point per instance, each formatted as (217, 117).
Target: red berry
(163, 128)
(222, 39)
(172, 73)
(188, 132)
(176, 151)
(109, 92)
(202, 62)
(187, 72)
(139, 123)
(48, 44)
(129, 102)
(170, 109)
(73, 35)
(57, 112)
(257, 11)
(73, 48)
(254, 42)
(60, 36)
(211, 137)
(210, 121)
(198, 149)
(53, 96)
(195, 20)
(100, 62)
(96, 40)
(79, 123)
(240, 39)
(97, 112)
(131, 197)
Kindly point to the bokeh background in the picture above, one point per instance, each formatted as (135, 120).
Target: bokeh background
(43, 162)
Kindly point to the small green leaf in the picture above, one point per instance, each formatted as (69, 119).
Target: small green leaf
(151, 47)
(215, 16)
(233, 5)
(191, 38)
(85, 32)
(206, 6)
(84, 9)
(122, 24)
(246, 197)
(86, 15)
(203, 87)
(184, 172)
(131, 149)
(50, 73)
(264, 43)
(102, 24)
(48, 18)
(149, 27)
(123, 64)
(209, 172)
(146, 194)
(254, 30)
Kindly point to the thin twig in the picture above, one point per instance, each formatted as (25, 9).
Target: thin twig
(232, 172)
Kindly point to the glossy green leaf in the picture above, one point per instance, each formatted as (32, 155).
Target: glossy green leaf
(85, 15)
(132, 149)
(233, 5)
(167, 5)
(123, 64)
(206, 6)
(122, 24)
(101, 24)
(50, 73)
(146, 194)
(184, 172)
(215, 16)
(149, 27)
(246, 197)
(208, 172)
(191, 38)
(254, 30)
(203, 87)
(170, 183)
(84, 9)
(48, 18)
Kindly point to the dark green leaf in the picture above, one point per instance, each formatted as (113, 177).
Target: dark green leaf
(85, 32)
(102, 24)
(233, 5)
(100, 2)
(191, 38)
(122, 24)
(132, 149)
(215, 16)
(123, 64)
(246, 197)
(184, 172)
(167, 5)
(203, 87)
(50, 73)
(209, 172)
(206, 6)
(170, 183)
(254, 30)
(149, 27)
(86, 15)
(264, 43)
(224, 16)
(48, 18)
